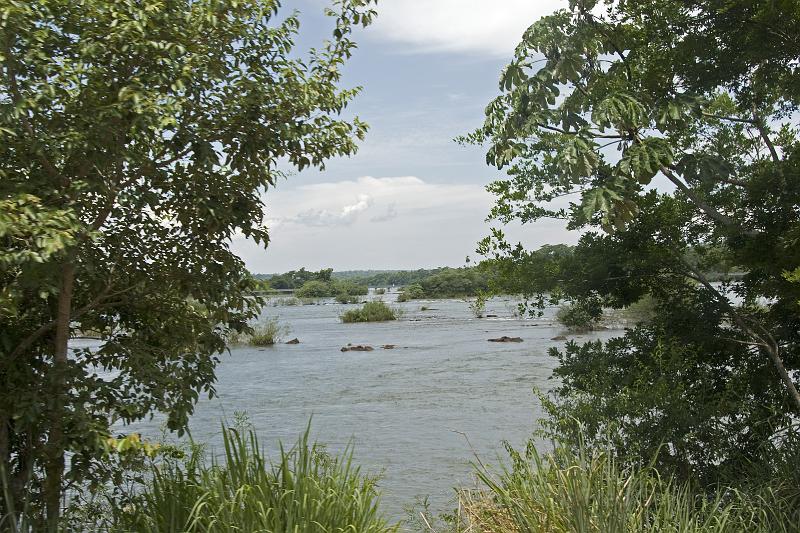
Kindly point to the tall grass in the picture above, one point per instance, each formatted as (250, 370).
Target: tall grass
(371, 312)
(265, 333)
(581, 492)
(306, 491)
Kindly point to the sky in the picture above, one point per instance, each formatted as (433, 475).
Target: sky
(411, 197)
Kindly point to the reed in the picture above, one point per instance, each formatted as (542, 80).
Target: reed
(305, 490)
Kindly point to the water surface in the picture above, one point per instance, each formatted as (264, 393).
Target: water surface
(415, 414)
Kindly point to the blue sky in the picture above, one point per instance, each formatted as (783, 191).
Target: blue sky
(411, 197)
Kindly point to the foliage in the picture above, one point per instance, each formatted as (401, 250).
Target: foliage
(331, 288)
(411, 292)
(314, 289)
(265, 333)
(344, 298)
(587, 491)
(294, 279)
(136, 138)
(478, 305)
(643, 310)
(580, 316)
(448, 283)
(306, 489)
(606, 104)
(370, 312)
(386, 278)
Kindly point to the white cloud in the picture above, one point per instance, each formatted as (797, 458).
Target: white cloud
(325, 217)
(474, 26)
(390, 222)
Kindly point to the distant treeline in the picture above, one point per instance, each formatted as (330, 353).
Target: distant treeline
(525, 274)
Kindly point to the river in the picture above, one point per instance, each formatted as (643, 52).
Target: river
(414, 414)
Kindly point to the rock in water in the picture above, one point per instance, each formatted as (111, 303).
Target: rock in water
(559, 338)
(506, 339)
(357, 348)
(293, 341)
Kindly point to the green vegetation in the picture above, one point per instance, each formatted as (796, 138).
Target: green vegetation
(581, 316)
(264, 333)
(122, 181)
(581, 491)
(331, 288)
(344, 298)
(294, 279)
(305, 489)
(448, 283)
(604, 107)
(370, 312)
(386, 278)
(138, 137)
(478, 305)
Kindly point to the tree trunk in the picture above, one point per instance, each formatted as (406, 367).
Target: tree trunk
(54, 467)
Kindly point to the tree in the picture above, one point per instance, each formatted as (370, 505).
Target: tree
(136, 137)
(607, 103)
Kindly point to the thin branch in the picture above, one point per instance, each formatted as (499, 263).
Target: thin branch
(730, 119)
(46, 327)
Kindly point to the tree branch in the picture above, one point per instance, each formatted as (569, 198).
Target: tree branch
(764, 339)
(762, 130)
(707, 209)
(46, 327)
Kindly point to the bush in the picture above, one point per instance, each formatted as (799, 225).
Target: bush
(344, 298)
(350, 288)
(642, 310)
(411, 292)
(305, 490)
(266, 333)
(579, 316)
(314, 289)
(370, 312)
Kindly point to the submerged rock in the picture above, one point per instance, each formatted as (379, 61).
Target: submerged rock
(491, 316)
(293, 341)
(506, 339)
(357, 348)
(388, 346)
(559, 338)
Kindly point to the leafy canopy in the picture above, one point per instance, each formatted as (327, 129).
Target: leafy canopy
(670, 127)
(136, 140)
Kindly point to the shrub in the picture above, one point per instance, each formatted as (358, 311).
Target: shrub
(582, 315)
(350, 288)
(642, 310)
(370, 312)
(266, 333)
(314, 289)
(305, 490)
(411, 292)
(344, 298)
(478, 305)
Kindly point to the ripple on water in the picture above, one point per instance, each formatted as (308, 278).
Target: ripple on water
(406, 410)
